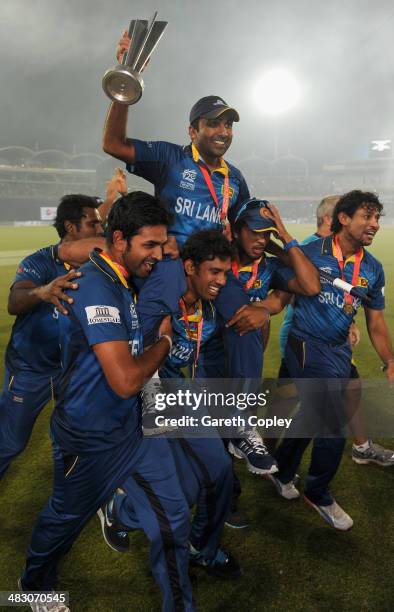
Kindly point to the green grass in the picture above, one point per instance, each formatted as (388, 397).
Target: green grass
(292, 561)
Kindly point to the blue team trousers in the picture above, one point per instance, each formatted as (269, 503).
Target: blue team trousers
(205, 474)
(24, 396)
(144, 468)
(159, 296)
(322, 410)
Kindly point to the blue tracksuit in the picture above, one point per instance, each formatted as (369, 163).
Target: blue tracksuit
(317, 348)
(32, 360)
(174, 171)
(98, 446)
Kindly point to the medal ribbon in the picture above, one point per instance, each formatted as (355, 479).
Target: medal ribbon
(255, 267)
(199, 329)
(226, 192)
(356, 268)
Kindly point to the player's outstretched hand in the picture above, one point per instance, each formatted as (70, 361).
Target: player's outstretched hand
(249, 318)
(117, 184)
(53, 293)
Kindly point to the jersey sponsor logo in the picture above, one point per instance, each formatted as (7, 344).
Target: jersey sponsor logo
(188, 178)
(191, 208)
(183, 353)
(102, 314)
(24, 270)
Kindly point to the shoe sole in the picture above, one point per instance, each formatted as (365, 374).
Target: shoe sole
(278, 489)
(365, 461)
(101, 516)
(240, 455)
(324, 515)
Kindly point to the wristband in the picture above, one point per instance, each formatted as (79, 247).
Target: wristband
(168, 338)
(289, 245)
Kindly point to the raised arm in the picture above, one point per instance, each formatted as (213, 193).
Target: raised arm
(307, 279)
(116, 186)
(115, 142)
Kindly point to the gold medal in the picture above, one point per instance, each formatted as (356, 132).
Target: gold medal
(348, 309)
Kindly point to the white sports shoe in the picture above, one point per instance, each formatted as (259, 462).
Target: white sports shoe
(333, 514)
(287, 491)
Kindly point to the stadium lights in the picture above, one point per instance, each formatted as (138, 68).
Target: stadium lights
(276, 92)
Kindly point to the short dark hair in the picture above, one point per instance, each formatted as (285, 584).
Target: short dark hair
(71, 209)
(352, 201)
(134, 211)
(205, 245)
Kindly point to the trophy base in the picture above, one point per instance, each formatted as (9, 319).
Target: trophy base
(123, 85)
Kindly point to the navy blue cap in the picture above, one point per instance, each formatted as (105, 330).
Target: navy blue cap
(211, 107)
(250, 212)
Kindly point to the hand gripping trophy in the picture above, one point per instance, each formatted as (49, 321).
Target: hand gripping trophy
(124, 83)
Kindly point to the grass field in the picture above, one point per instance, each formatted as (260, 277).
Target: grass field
(292, 561)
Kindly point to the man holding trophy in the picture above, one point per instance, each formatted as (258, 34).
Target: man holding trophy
(202, 190)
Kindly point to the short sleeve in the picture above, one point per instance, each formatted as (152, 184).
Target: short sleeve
(98, 308)
(152, 159)
(38, 268)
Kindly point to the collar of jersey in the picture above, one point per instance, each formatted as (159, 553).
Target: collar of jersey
(223, 168)
(350, 259)
(98, 257)
(249, 267)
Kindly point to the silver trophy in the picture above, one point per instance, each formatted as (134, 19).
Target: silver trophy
(124, 83)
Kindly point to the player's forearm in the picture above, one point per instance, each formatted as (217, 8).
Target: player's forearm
(275, 302)
(22, 300)
(76, 252)
(115, 142)
(307, 275)
(143, 367)
(381, 341)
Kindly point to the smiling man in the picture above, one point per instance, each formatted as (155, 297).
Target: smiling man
(318, 348)
(96, 426)
(200, 188)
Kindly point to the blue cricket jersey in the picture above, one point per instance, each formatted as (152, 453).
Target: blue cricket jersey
(34, 342)
(184, 344)
(175, 173)
(271, 274)
(89, 415)
(322, 317)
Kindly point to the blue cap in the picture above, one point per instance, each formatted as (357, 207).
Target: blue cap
(250, 212)
(211, 107)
